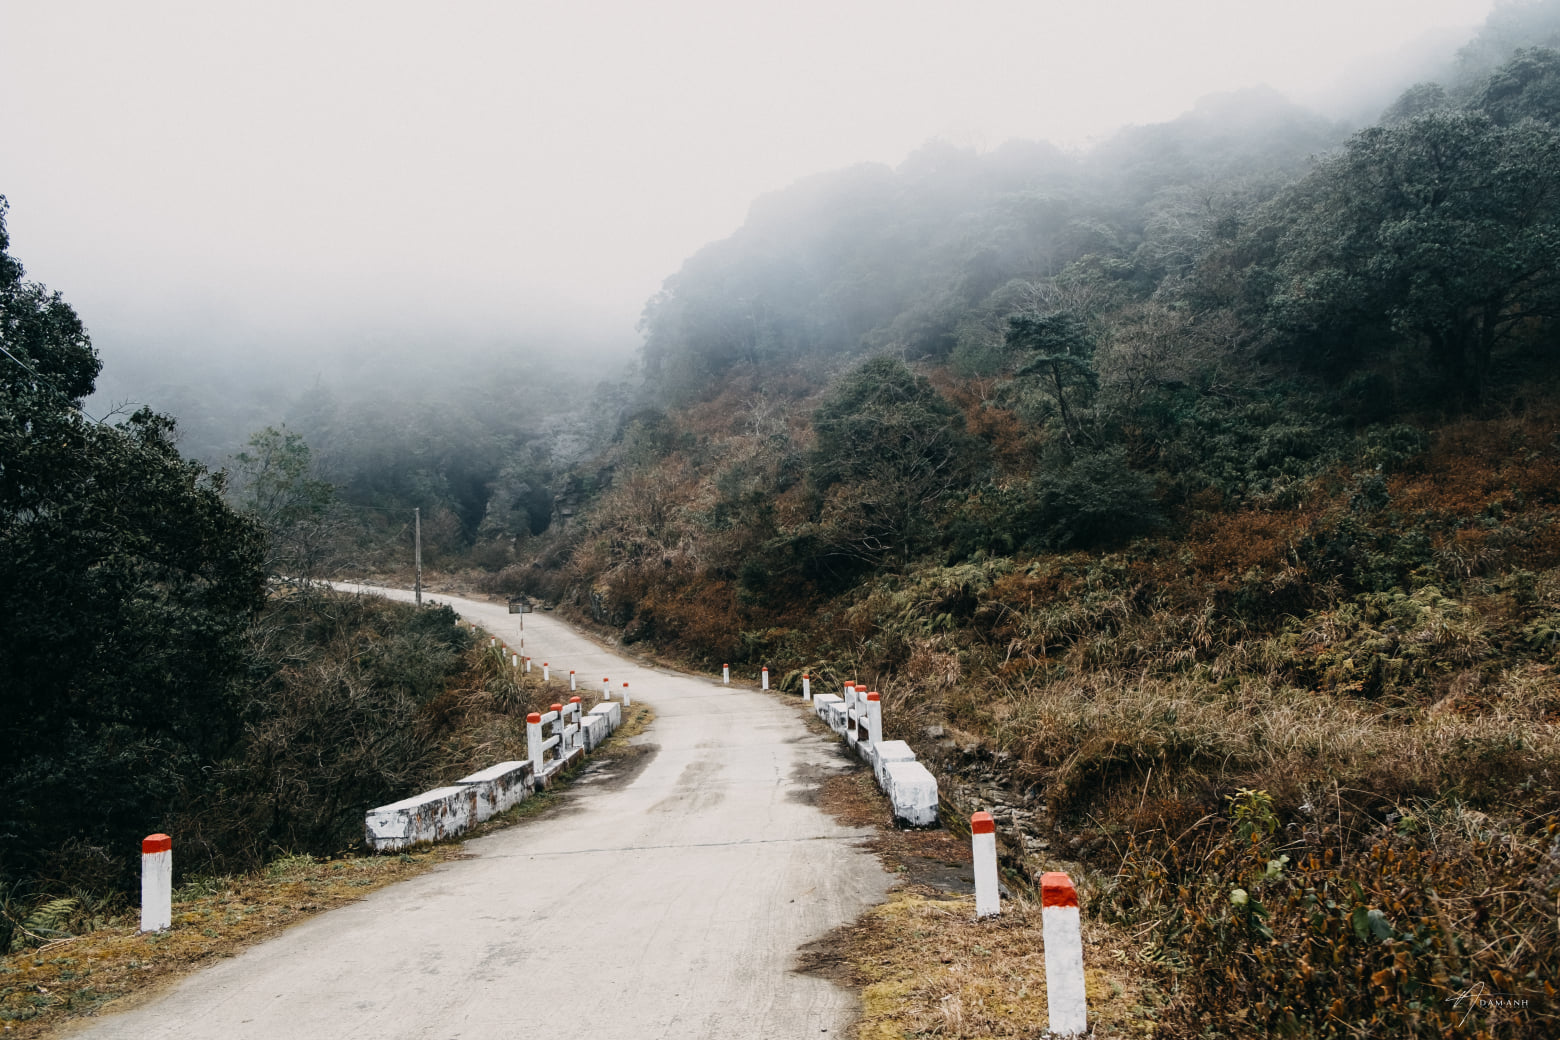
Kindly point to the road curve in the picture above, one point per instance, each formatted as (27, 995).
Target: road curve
(671, 906)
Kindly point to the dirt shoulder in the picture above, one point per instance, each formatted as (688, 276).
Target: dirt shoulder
(924, 966)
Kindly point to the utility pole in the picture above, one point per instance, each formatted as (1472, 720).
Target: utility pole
(417, 541)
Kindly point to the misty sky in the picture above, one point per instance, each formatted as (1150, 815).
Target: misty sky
(236, 174)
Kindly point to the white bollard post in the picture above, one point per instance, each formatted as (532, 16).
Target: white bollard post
(156, 883)
(546, 675)
(493, 642)
(571, 680)
(533, 742)
(765, 677)
(606, 691)
(983, 843)
(527, 664)
(874, 718)
(1063, 955)
(806, 687)
(626, 700)
(725, 674)
(514, 660)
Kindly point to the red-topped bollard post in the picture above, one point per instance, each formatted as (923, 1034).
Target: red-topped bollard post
(874, 718)
(527, 664)
(571, 680)
(626, 700)
(806, 687)
(983, 844)
(725, 674)
(533, 741)
(606, 689)
(1064, 990)
(156, 883)
(546, 673)
(764, 677)
(514, 660)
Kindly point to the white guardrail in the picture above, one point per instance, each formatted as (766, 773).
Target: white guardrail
(555, 740)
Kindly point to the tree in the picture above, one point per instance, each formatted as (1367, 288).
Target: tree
(278, 487)
(1059, 349)
(890, 451)
(1441, 233)
(128, 584)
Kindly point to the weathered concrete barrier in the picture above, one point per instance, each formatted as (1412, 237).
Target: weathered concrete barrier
(500, 787)
(612, 710)
(430, 816)
(156, 882)
(595, 729)
(912, 791)
(886, 752)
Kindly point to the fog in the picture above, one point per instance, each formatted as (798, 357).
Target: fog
(348, 183)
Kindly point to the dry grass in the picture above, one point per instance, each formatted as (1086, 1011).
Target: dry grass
(42, 990)
(924, 966)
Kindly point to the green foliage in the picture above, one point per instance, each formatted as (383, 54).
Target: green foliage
(890, 452)
(1440, 232)
(277, 486)
(130, 583)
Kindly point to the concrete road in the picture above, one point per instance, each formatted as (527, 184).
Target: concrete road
(671, 906)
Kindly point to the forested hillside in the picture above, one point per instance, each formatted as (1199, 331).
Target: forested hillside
(166, 666)
(1203, 490)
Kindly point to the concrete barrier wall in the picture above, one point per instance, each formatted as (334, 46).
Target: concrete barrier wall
(447, 811)
(913, 791)
(430, 816)
(855, 716)
(500, 787)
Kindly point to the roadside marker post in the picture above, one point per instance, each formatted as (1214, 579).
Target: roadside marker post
(514, 660)
(533, 741)
(528, 664)
(983, 843)
(764, 677)
(156, 883)
(874, 718)
(546, 675)
(1064, 991)
(571, 680)
(626, 700)
(725, 674)
(606, 691)
(806, 687)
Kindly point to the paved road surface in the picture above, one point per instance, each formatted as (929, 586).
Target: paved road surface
(668, 907)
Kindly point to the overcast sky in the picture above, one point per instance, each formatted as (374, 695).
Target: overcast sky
(289, 173)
